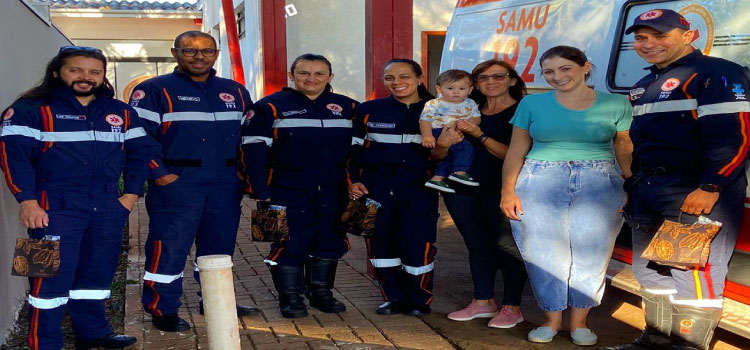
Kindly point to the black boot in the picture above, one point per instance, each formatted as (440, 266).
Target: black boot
(693, 327)
(170, 323)
(658, 324)
(111, 341)
(319, 277)
(288, 282)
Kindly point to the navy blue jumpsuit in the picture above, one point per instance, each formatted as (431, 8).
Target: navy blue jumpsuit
(389, 160)
(69, 158)
(303, 146)
(198, 125)
(690, 128)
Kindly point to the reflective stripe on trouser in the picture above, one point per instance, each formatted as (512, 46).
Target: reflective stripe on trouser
(180, 214)
(662, 196)
(313, 216)
(402, 246)
(89, 253)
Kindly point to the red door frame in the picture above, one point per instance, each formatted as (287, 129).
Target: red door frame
(388, 34)
(273, 28)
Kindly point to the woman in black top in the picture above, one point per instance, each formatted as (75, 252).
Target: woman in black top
(476, 211)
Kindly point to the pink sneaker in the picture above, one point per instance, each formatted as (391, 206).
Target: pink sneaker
(474, 310)
(506, 318)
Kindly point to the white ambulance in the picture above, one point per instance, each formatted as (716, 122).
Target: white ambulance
(519, 31)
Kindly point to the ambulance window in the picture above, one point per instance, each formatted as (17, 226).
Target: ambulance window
(721, 31)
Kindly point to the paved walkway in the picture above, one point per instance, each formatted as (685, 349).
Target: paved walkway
(359, 328)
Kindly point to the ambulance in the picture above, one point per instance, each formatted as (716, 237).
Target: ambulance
(519, 31)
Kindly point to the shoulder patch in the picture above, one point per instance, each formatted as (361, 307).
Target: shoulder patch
(114, 120)
(670, 84)
(226, 97)
(138, 95)
(334, 107)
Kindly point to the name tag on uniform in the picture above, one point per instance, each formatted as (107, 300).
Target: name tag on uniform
(70, 117)
(189, 98)
(381, 125)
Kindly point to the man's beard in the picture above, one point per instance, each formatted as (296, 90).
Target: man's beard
(93, 90)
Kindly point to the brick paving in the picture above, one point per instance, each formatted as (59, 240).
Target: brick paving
(359, 328)
(617, 321)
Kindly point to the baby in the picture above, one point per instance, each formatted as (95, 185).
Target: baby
(453, 87)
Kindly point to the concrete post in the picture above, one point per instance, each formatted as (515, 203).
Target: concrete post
(217, 288)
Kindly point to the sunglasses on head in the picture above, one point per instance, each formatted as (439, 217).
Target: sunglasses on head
(190, 52)
(73, 48)
(497, 76)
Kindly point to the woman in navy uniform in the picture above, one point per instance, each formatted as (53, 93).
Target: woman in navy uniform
(302, 136)
(390, 166)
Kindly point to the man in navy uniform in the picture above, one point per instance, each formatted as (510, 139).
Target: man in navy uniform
(196, 117)
(64, 146)
(690, 137)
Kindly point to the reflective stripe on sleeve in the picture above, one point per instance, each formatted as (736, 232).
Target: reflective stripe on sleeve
(47, 304)
(297, 123)
(20, 130)
(312, 123)
(135, 133)
(386, 262)
(231, 115)
(724, 107)
(68, 136)
(388, 138)
(148, 276)
(358, 141)
(666, 106)
(148, 115)
(89, 294)
(337, 123)
(188, 117)
(256, 139)
(416, 271)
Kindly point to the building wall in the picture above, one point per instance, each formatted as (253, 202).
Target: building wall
(430, 15)
(250, 45)
(329, 28)
(21, 68)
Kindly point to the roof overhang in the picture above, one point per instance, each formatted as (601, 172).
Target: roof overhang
(100, 13)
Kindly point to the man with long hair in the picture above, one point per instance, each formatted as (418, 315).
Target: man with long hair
(196, 117)
(63, 148)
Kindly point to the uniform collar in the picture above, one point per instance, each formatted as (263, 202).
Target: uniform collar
(301, 95)
(683, 60)
(393, 100)
(183, 75)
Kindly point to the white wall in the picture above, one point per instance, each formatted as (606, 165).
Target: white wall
(335, 29)
(430, 15)
(33, 44)
(250, 45)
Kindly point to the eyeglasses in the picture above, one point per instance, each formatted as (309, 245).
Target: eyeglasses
(497, 76)
(190, 52)
(72, 48)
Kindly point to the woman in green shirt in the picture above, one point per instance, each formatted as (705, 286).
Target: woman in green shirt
(563, 198)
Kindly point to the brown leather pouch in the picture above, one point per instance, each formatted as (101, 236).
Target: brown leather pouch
(36, 258)
(359, 217)
(683, 246)
(268, 223)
